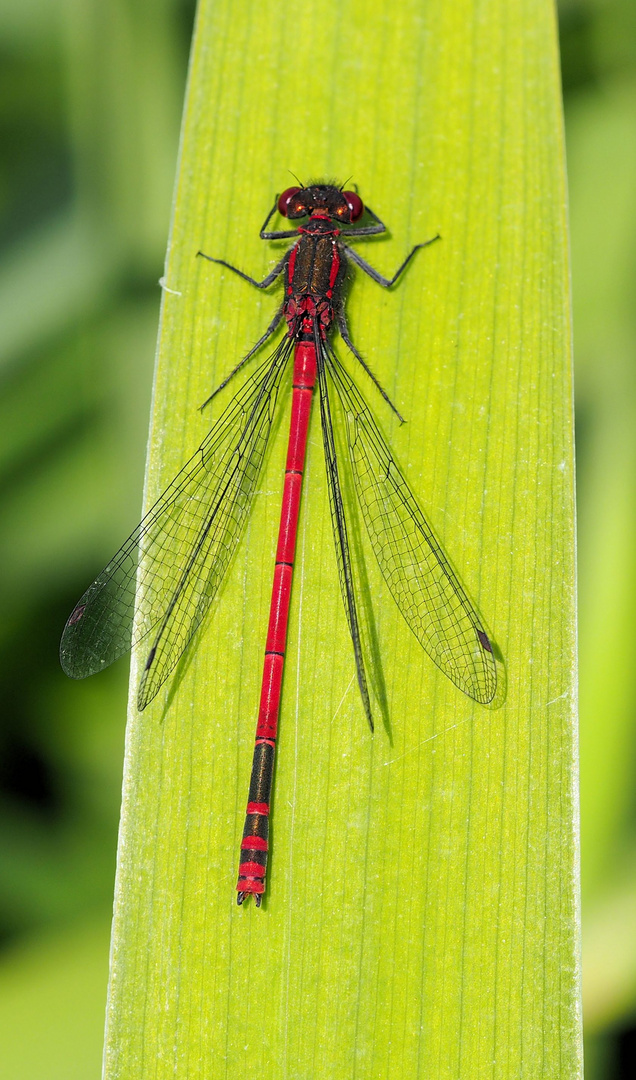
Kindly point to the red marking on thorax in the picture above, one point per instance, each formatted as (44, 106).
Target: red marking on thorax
(335, 266)
(290, 270)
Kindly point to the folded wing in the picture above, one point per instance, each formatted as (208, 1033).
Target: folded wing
(164, 577)
(424, 585)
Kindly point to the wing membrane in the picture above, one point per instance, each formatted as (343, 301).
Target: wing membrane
(175, 559)
(424, 585)
(341, 541)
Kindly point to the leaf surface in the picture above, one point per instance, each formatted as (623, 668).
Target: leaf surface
(421, 917)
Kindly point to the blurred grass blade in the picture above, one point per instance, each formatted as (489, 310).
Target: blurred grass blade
(422, 917)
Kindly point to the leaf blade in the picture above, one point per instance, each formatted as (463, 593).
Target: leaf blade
(422, 913)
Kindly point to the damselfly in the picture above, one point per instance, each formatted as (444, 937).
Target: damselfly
(163, 579)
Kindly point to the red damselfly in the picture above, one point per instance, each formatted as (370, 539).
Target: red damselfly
(162, 580)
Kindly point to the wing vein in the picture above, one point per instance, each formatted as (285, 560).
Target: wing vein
(425, 587)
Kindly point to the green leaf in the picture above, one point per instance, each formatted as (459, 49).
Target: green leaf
(602, 163)
(421, 916)
(52, 1003)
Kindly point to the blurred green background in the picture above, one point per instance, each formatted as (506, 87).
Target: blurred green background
(90, 101)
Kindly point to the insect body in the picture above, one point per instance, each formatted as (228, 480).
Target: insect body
(181, 550)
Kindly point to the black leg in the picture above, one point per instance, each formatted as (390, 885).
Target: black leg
(376, 275)
(284, 235)
(269, 216)
(261, 341)
(344, 334)
(264, 284)
(367, 230)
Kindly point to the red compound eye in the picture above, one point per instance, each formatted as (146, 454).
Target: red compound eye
(355, 204)
(285, 199)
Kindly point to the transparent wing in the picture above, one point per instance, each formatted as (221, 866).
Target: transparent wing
(176, 557)
(424, 585)
(340, 536)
